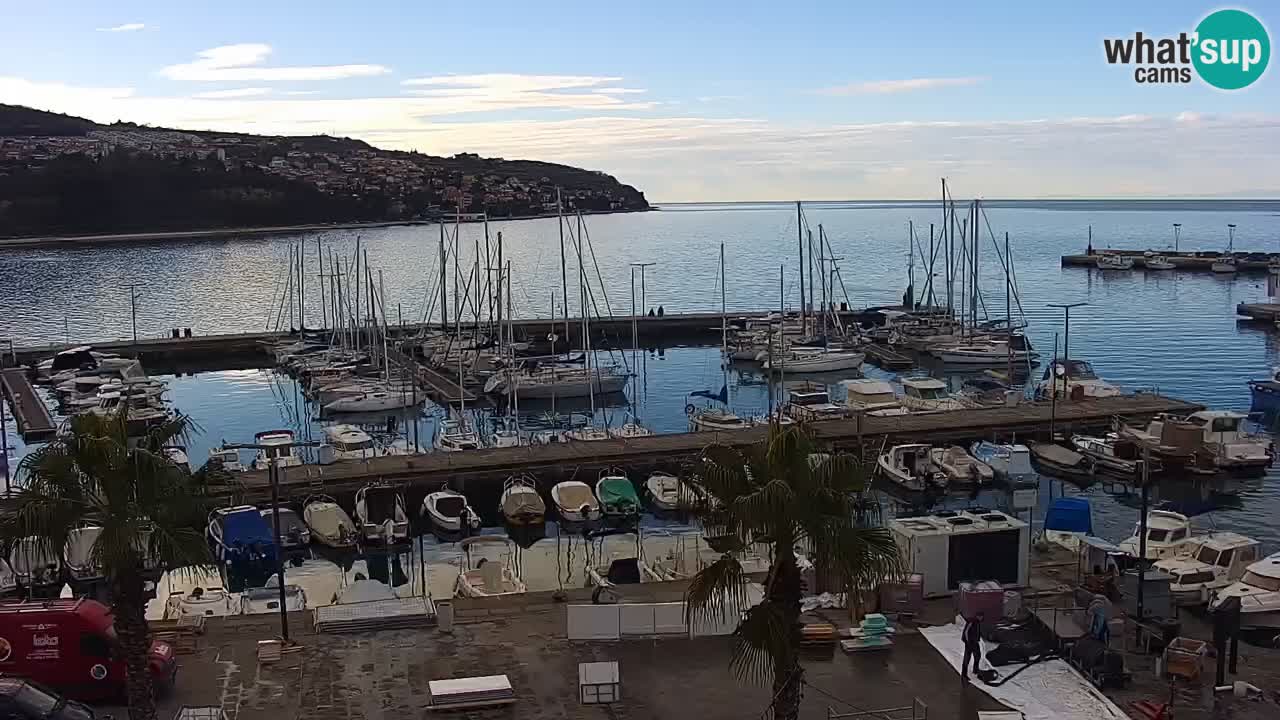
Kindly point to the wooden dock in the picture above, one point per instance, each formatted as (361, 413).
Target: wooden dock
(615, 331)
(1262, 312)
(438, 386)
(482, 470)
(1183, 262)
(35, 423)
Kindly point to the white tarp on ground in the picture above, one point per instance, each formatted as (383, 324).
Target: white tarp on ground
(1051, 690)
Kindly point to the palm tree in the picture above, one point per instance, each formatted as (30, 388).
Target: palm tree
(783, 493)
(93, 473)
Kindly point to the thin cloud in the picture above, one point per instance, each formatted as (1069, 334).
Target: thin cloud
(127, 27)
(450, 94)
(233, 93)
(242, 62)
(890, 87)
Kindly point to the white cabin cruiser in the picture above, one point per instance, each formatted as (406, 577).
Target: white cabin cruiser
(575, 502)
(1234, 450)
(1072, 378)
(714, 420)
(277, 448)
(911, 467)
(1113, 261)
(381, 515)
(1168, 535)
(349, 442)
(450, 513)
(1259, 594)
(456, 436)
(872, 397)
(328, 522)
(486, 568)
(926, 394)
(195, 591)
(1212, 562)
(229, 458)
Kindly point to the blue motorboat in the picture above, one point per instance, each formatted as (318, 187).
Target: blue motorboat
(1068, 521)
(1266, 394)
(243, 542)
(1011, 462)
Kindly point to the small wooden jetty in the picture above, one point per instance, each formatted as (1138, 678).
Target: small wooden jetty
(488, 468)
(1249, 263)
(35, 423)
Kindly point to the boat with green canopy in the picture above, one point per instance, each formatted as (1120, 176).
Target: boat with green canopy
(618, 498)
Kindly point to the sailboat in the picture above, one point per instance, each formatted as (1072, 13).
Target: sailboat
(1227, 263)
(712, 418)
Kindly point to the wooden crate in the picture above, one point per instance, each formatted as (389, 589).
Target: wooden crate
(1184, 658)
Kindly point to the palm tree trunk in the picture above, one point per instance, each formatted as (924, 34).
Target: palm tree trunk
(784, 589)
(129, 609)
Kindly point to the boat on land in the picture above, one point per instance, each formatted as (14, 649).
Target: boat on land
(487, 568)
(960, 467)
(1258, 592)
(35, 563)
(1210, 563)
(328, 522)
(450, 514)
(911, 467)
(1168, 535)
(277, 447)
(622, 569)
(266, 599)
(1067, 522)
(575, 503)
(521, 504)
(380, 514)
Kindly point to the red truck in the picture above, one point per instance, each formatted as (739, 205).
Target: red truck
(71, 646)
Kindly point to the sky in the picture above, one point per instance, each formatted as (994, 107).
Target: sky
(688, 101)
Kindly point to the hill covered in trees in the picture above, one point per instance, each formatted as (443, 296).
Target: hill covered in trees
(61, 174)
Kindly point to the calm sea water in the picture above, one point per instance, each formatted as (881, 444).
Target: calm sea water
(1173, 331)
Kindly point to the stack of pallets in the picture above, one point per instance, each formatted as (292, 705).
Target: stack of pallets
(374, 615)
(874, 633)
(818, 635)
(471, 692)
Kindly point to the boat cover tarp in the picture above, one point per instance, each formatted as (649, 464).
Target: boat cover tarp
(1050, 690)
(1057, 454)
(380, 504)
(326, 518)
(1070, 514)
(517, 503)
(618, 494)
(246, 527)
(574, 496)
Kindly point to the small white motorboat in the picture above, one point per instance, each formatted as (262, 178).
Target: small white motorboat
(486, 568)
(587, 433)
(911, 467)
(450, 514)
(1158, 262)
(349, 442)
(294, 533)
(1225, 265)
(575, 502)
(960, 467)
(1168, 535)
(455, 436)
(667, 493)
(714, 420)
(521, 504)
(381, 514)
(631, 429)
(872, 397)
(926, 394)
(196, 591)
(1113, 261)
(1010, 461)
(229, 458)
(1072, 378)
(34, 562)
(266, 599)
(77, 554)
(277, 448)
(1259, 594)
(328, 522)
(1208, 563)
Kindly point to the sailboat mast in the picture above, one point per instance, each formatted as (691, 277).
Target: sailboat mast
(1008, 307)
(382, 306)
(586, 323)
(911, 264)
(564, 277)
(822, 275)
(511, 329)
(444, 283)
(501, 289)
(724, 319)
(809, 235)
(302, 288)
(973, 269)
(804, 318)
(946, 244)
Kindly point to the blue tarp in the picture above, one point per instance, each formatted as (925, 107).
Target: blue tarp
(246, 528)
(1069, 515)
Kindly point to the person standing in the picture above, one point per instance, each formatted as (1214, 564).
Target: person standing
(972, 637)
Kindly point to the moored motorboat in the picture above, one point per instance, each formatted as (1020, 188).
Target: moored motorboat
(1061, 462)
(228, 458)
(456, 436)
(380, 514)
(449, 513)
(1258, 592)
(294, 534)
(575, 503)
(872, 397)
(1114, 454)
(714, 420)
(1168, 535)
(1233, 449)
(960, 467)
(520, 504)
(667, 493)
(1011, 462)
(276, 447)
(910, 466)
(1070, 379)
(328, 522)
(1157, 262)
(487, 569)
(926, 394)
(617, 496)
(242, 541)
(1207, 564)
(178, 456)
(1265, 394)
(1113, 261)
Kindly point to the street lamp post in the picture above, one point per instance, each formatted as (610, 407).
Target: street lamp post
(133, 310)
(642, 266)
(1066, 339)
(1177, 230)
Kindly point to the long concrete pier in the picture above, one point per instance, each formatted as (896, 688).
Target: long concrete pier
(1181, 262)
(485, 470)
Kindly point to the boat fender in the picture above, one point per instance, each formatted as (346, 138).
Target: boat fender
(690, 409)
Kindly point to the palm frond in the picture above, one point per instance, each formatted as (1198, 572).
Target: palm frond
(762, 642)
(864, 557)
(717, 592)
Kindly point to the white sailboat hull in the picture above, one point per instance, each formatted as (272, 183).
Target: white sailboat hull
(818, 363)
(372, 402)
